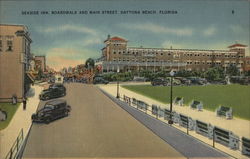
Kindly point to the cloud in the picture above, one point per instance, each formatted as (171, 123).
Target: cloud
(154, 28)
(209, 31)
(91, 41)
(67, 28)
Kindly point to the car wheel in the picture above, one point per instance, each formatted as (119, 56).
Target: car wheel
(48, 120)
(66, 113)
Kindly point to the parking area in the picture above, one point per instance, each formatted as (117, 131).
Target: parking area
(95, 128)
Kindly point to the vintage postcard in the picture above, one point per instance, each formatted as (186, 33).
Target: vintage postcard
(124, 79)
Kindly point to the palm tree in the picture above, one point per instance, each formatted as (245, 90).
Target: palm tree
(89, 63)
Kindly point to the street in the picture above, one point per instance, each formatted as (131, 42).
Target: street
(96, 127)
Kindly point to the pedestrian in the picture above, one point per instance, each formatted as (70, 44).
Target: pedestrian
(24, 103)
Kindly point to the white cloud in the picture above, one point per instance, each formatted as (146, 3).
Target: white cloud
(154, 28)
(68, 27)
(91, 41)
(209, 31)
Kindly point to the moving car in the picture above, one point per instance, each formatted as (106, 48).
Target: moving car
(159, 82)
(52, 93)
(51, 111)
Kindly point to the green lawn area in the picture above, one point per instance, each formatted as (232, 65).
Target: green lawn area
(212, 96)
(10, 109)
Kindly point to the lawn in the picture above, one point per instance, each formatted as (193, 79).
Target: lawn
(212, 96)
(10, 109)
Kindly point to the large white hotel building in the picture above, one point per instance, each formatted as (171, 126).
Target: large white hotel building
(117, 56)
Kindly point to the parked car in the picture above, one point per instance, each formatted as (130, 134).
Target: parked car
(100, 80)
(52, 93)
(197, 80)
(139, 79)
(51, 111)
(159, 82)
(58, 85)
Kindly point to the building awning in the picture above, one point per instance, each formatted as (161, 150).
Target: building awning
(30, 76)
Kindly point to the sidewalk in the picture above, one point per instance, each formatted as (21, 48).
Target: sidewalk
(21, 120)
(238, 126)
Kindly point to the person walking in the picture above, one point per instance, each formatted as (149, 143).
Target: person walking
(24, 103)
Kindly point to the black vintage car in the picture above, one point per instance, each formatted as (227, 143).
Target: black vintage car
(58, 85)
(159, 82)
(52, 93)
(51, 111)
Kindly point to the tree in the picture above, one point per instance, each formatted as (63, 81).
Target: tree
(215, 74)
(232, 70)
(89, 63)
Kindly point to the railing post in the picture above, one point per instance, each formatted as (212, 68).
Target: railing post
(11, 153)
(17, 143)
(213, 138)
(187, 126)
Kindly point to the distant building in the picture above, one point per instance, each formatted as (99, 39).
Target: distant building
(40, 63)
(117, 56)
(15, 56)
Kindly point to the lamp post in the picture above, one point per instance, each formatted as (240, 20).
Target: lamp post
(118, 95)
(171, 96)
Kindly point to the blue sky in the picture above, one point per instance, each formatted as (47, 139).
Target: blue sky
(68, 40)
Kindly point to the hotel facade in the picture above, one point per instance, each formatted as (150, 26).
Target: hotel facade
(117, 56)
(15, 56)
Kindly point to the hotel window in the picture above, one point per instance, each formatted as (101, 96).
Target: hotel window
(9, 45)
(161, 53)
(114, 52)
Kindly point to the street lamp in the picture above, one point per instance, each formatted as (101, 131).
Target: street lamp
(118, 95)
(171, 96)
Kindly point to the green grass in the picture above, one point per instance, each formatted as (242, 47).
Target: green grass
(10, 109)
(212, 96)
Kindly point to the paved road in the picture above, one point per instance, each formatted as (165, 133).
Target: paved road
(187, 145)
(96, 127)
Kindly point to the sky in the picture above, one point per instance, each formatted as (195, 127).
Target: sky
(69, 39)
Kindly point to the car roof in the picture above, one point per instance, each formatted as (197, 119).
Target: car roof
(56, 102)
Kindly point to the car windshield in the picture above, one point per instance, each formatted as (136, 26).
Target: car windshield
(48, 106)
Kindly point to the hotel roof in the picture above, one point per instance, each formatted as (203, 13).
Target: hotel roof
(116, 38)
(237, 45)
